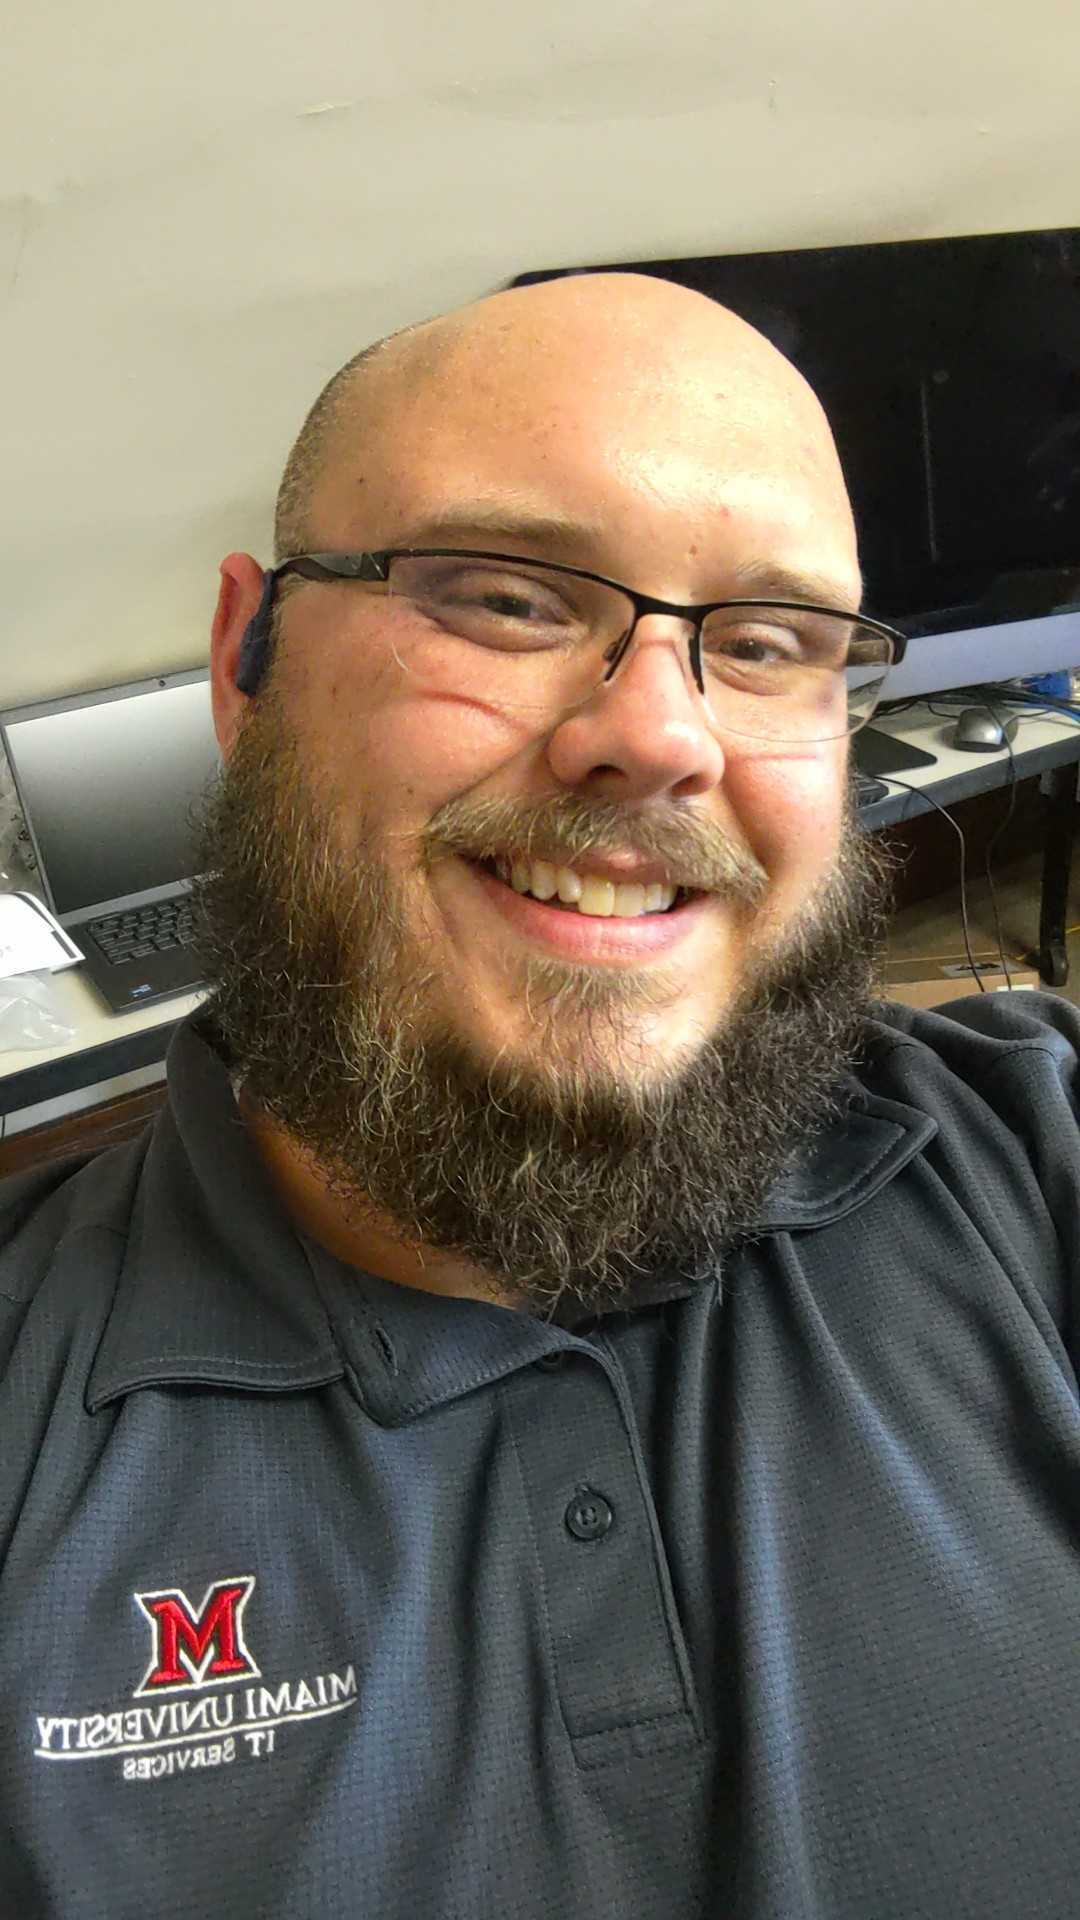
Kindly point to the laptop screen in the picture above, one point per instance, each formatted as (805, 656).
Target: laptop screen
(107, 787)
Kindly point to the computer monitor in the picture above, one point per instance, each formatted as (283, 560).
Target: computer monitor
(975, 655)
(950, 371)
(109, 782)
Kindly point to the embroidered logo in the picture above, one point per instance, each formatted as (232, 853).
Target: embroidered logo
(201, 1654)
(197, 1647)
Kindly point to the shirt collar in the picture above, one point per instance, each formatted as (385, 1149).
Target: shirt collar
(214, 1286)
(868, 1142)
(217, 1288)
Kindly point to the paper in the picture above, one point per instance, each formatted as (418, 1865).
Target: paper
(30, 939)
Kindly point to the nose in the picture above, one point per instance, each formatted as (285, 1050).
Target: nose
(647, 730)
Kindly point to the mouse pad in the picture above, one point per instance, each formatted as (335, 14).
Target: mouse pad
(877, 753)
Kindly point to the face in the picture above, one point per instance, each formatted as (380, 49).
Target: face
(639, 769)
(571, 1119)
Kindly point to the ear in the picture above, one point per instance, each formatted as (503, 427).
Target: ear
(242, 591)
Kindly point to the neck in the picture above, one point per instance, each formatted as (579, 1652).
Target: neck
(352, 1232)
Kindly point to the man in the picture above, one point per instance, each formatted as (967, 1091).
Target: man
(569, 1410)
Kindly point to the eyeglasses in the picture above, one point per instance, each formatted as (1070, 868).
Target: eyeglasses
(536, 639)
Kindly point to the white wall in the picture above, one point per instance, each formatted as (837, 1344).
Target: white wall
(206, 209)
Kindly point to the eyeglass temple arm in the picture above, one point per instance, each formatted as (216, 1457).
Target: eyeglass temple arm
(254, 655)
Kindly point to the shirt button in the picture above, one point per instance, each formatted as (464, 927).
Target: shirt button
(551, 1362)
(589, 1515)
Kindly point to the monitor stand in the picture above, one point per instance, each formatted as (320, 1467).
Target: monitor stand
(876, 753)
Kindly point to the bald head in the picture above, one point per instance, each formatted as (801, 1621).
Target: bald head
(591, 361)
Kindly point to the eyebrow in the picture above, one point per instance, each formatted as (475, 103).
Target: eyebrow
(772, 581)
(497, 523)
(563, 537)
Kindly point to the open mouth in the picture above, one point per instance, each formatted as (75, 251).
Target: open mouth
(597, 938)
(684, 896)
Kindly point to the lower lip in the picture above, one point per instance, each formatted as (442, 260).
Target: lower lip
(585, 936)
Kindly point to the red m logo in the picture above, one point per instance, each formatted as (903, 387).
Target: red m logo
(197, 1647)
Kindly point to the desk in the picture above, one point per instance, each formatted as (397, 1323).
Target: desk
(108, 1045)
(1047, 745)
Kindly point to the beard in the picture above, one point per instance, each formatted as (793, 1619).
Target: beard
(566, 1181)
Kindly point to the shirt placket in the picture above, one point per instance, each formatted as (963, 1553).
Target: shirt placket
(620, 1658)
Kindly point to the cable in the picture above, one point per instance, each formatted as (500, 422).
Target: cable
(1005, 692)
(1045, 703)
(1023, 697)
(1020, 958)
(992, 843)
(887, 708)
(892, 780)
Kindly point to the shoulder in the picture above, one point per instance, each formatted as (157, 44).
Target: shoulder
(63, 1242)
(63, 1228)
(983, 1036)
(999, 1071)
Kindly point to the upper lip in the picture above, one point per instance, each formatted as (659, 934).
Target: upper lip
(622, 869)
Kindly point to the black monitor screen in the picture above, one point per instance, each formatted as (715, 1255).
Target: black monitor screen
(108, 790)
(950, 370)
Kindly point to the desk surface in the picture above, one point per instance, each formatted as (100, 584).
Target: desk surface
(106, 1044)
(1042, 741)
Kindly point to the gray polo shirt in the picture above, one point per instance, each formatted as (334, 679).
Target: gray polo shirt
(323, 1597)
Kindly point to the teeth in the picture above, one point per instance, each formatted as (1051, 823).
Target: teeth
(545, 880)
(589, 893)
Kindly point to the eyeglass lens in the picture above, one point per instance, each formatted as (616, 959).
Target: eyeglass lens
(538, 643)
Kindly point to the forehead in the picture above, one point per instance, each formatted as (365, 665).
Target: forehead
(652, 448)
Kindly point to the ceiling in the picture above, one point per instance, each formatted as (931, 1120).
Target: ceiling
(207, 209)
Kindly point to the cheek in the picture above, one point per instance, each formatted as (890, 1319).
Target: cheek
(791, 811)
(399, 757)
(431, 745)
(391, 736)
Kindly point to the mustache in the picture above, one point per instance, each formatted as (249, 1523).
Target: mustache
(565, 829)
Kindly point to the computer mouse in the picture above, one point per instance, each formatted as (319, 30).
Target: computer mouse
(978, 730)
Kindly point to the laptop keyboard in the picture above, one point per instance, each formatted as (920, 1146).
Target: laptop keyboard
(151, 929)
(868, 790)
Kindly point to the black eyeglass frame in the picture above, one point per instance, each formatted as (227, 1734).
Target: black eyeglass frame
(375, 567)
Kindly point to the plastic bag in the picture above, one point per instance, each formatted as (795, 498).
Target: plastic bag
(28, 1016)
(15, 847)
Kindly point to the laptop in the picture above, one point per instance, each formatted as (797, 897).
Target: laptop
(107, 782)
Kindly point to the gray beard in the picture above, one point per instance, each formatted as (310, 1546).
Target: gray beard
(568, 1184)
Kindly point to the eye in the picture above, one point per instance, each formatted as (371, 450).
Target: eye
(755, 644)
(506, 596)
(511, 599)
(776, 637)
(749, 646)
(495, 606)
